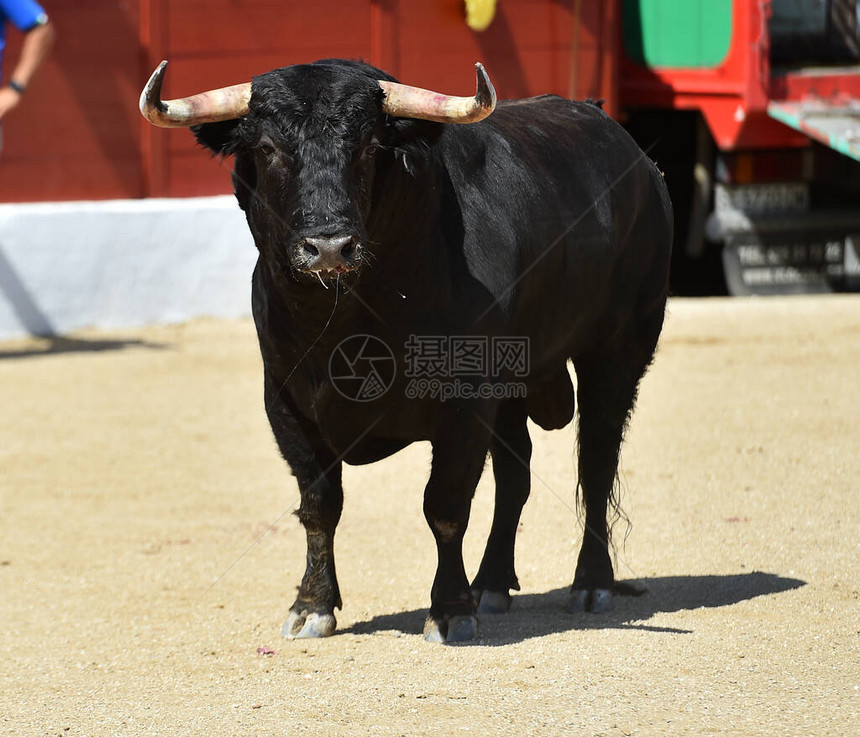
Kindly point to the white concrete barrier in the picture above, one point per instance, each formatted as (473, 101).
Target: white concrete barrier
(69, 265)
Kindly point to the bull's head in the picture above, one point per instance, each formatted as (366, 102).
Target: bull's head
(306, 140)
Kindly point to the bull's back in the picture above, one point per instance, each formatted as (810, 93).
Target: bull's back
(581, 220)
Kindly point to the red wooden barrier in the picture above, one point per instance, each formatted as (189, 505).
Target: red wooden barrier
(78, 134)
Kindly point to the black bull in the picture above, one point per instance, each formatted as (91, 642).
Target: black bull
(388, 245)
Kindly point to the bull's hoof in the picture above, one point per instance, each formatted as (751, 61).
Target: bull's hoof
(492, 602)
(590, 600)
(460, 628)
(304, 625)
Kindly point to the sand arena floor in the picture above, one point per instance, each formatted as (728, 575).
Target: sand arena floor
(148, 554)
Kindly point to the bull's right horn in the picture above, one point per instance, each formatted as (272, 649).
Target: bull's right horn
(226, 103)
(405, 101)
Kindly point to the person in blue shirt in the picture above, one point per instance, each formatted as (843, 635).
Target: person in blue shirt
(30, 18)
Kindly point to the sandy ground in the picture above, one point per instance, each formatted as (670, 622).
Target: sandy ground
(147, 551)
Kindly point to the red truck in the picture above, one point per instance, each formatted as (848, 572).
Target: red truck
(752, 108)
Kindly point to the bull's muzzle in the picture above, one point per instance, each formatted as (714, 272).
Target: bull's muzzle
(328, 255)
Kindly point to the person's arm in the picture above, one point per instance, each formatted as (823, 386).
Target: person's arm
(37, 44)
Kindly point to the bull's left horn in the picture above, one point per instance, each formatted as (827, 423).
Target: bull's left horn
(225, 103)
(404, 101)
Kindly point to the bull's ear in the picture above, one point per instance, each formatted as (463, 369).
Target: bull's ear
(244, 180)
(412, 139)
(219, 138)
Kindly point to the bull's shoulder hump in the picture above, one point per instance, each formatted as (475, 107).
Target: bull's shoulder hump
(529, 101)
(547, 110)
(551, 104)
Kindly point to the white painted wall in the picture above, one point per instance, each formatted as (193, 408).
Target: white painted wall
(69, 265)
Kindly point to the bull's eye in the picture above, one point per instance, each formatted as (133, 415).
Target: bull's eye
(368, 154)
(266, 148)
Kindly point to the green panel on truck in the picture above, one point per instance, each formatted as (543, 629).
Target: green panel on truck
(671, 34)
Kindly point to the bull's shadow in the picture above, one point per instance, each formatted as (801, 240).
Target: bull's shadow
(536, 615)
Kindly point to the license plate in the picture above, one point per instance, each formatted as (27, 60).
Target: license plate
(813, 266)
(757, 199)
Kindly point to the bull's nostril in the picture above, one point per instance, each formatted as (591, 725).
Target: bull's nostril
(326, 253)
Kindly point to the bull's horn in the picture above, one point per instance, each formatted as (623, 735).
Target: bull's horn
(404, 101)
(226, 103)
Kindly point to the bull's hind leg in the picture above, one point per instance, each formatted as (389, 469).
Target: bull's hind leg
(318, 473)
(607, 387)
(511, 449)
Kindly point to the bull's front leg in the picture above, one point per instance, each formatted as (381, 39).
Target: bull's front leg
(312, 613)
(318, 473)
(459, 451)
